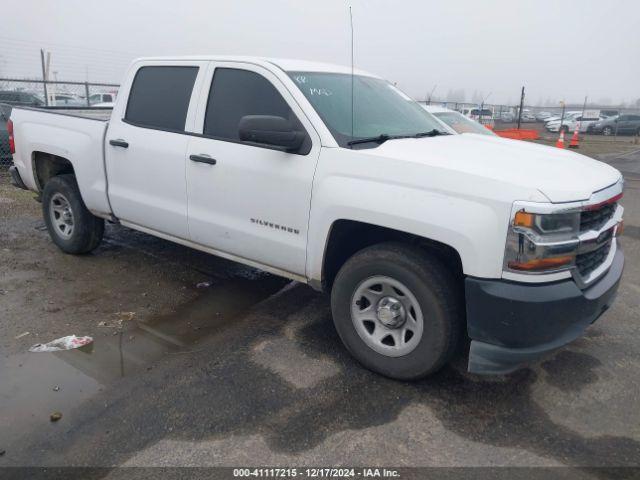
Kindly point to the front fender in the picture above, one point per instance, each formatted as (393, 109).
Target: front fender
(411, 198)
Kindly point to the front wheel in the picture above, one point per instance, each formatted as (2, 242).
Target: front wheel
(398, 310)
(72, 227)
(607, 131)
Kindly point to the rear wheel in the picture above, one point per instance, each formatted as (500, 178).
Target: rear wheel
(72, 227)
(398, 310)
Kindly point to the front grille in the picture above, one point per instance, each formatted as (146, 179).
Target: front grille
(595, 219)
(588, 262)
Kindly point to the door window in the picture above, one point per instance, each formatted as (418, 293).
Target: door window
(160, 96)
(236, 93)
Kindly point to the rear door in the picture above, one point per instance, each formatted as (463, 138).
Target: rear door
(634, 124)
(587, 120)
(254, 201)
(146, 146)
(623, 124)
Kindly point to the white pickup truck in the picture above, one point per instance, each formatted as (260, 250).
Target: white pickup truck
(424, 238)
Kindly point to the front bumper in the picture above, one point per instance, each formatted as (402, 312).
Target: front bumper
(511, 324)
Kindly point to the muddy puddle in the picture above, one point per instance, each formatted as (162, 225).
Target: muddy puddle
(33, 385)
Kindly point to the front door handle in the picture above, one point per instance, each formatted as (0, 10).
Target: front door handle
(119, 143)
(202, 158)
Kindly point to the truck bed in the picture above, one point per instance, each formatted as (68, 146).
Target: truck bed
(72, 134)
(93, 113)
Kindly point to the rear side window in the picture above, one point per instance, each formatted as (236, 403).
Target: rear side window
(236, 93)
(159, 97)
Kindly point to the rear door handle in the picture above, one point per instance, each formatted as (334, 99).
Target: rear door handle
(202, 158)
(119, 143)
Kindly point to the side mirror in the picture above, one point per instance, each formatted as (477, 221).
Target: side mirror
(270, 130)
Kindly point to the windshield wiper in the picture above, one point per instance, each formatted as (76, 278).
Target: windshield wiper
(431, 133)
(383, 137)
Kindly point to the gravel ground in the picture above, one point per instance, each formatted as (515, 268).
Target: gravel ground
(201, 362)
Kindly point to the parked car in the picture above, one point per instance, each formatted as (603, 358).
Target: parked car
(457, 122)
(543, 116)
(527, 117)
(569, 124)
(507, 117)
(103, 97)
(5, 149)
(27, 99)
(67, 100)
(609, 113)
(623, 125)
(484, 116)
(422, 237)
(558, 116)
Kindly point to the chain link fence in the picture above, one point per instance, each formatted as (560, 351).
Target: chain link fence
(50, 94)
(88, 95)
(497, 113)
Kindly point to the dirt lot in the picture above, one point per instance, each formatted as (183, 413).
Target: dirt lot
(592, 145)
(198, 361)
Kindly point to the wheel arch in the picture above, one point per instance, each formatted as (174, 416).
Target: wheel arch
(346, 237)
(47, 165)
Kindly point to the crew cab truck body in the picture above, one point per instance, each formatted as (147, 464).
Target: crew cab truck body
(421, 236)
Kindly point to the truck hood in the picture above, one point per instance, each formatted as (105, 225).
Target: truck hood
(560, 175)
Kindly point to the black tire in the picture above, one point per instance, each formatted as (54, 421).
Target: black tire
(433, 286)
(87, 230)
(565, 129)
(607, 131)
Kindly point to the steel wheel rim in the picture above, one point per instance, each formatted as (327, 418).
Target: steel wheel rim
(61, 215)
(387, 316)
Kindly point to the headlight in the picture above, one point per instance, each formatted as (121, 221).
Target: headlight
(542, 243)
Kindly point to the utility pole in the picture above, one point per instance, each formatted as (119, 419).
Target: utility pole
(430, 94)
(521, 107)
(44, 78)
(482, 108)
(584, 107)
(86, 85)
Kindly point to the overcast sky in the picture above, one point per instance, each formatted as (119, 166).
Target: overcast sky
(556, 49)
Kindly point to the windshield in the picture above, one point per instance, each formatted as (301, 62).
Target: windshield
(379, 108)
(462, 124)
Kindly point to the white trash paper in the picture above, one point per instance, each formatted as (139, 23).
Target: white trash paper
(64, 343)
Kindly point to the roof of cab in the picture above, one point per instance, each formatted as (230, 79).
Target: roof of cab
(286, 64)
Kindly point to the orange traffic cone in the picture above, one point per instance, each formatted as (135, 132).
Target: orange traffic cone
(574, 139)
(560, 142)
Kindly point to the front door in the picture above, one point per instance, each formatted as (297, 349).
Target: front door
(146, 148)
(247, 200)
